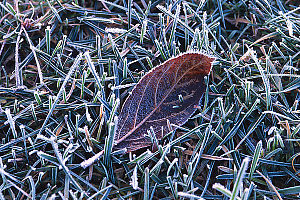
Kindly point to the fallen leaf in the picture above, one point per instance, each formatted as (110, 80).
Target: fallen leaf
(171, 91)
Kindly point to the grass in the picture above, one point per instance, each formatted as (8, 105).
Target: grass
(67, 67)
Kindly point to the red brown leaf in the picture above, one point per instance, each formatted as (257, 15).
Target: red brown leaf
(155, 99)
